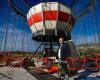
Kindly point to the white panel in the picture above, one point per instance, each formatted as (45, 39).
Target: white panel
(39, 25)
(61, 25)
(50, 24)
(37, 9)
(64, 8)
(29, 14)
(69, 28)
(50, 6)
(33, 29)
(34, 10)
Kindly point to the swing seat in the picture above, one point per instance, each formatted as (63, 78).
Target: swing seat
(53, 69)
(43, 63)
(19, 63)
(98, 60)
(75, 64)
(46, 65)
(6, 61)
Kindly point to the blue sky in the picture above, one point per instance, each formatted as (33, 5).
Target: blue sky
(18, 32)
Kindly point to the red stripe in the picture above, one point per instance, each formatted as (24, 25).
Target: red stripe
(35, 18)
(65, 17)
(50, 15)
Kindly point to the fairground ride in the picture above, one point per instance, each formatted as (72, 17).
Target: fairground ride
(48, 20)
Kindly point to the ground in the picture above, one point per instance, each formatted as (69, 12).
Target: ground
(8, 73)
(12, 73)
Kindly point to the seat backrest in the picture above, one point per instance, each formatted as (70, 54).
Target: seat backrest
(73, 51)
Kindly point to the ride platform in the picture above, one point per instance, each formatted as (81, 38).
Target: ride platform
(16, 73)
(31, 73)
(12, 73)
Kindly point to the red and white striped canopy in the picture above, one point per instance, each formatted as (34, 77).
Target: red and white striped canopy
(50, 15)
